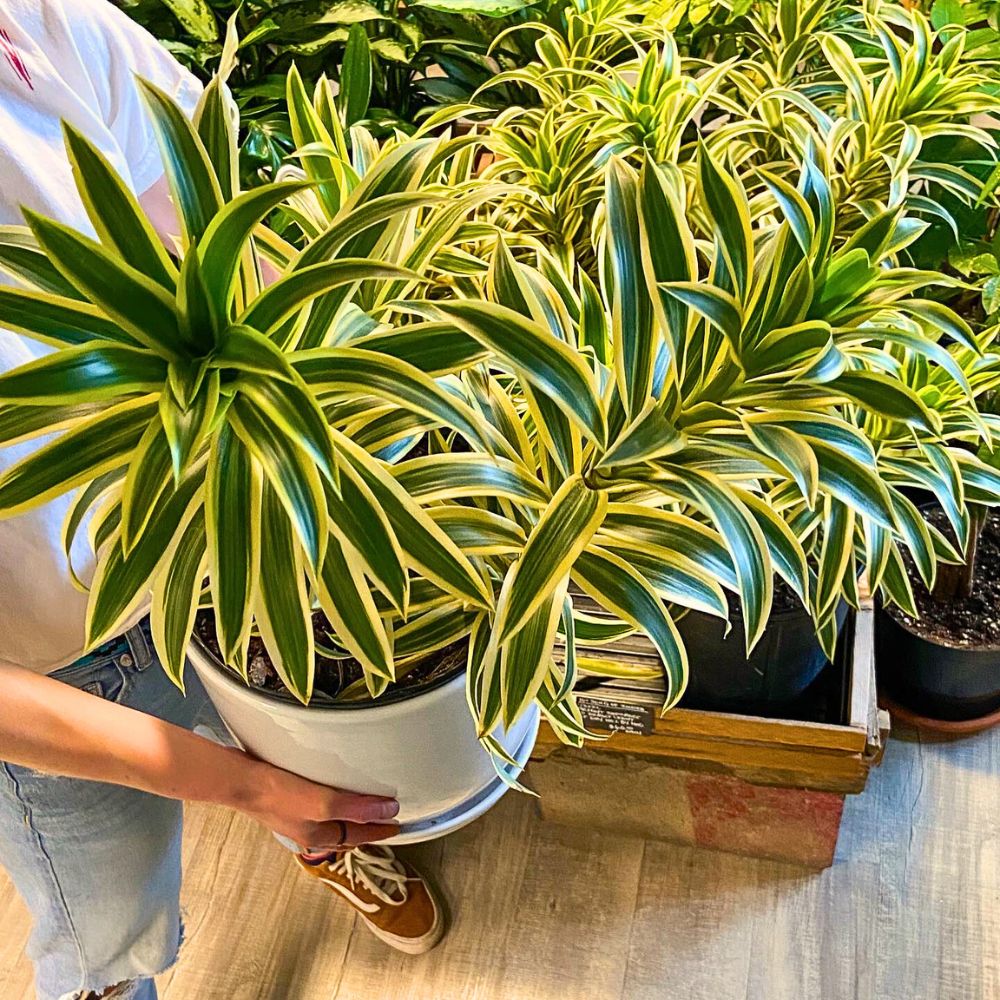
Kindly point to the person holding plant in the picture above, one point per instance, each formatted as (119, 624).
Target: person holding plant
(97, 750)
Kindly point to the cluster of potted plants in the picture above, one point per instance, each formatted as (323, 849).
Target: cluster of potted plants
(649, 351)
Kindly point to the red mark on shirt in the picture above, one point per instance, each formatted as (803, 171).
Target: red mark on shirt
(14, 58)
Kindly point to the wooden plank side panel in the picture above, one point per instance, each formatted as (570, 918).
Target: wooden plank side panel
(747, 728)
(863, 710)
(821, 770)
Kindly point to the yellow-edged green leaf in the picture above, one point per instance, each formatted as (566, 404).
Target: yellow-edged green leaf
(615, 585)
(57, 321)
(282, 608)
(550, 365)
(84, 452)
(121, 582)
(563, 531)
(426, 545)
(298, 288)
(225, 238)
(358, 519)
(187, 426)
(672, 574)
(479, 532)
(232, 523)
(746, 544)
(677, 532)
(431, 631)
(434, 348)
(347, 369)
(835, 554)
(790, 449)
(193, 183)
(527, 655)
(149, 472)
(346, 600)
(462, 475)
(293, 412)
(82, 374)
(293, 477)
(730, 213)
(885, 396)
(134, 302)
(632, 323)
(176, 594)
(115, 212)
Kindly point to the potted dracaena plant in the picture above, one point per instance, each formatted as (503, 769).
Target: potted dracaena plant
(788, 382)
(908, 123)
(462, 486)
(645, 120)
(882, 301)
(202, 418)
(938, 644)
(545, 489)
(214, 437)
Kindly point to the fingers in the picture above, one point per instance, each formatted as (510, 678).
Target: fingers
(328, 835)
(357, 808)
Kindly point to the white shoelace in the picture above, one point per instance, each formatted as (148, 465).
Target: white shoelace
(377, 869)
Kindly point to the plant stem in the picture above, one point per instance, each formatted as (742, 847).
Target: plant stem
(955, 582)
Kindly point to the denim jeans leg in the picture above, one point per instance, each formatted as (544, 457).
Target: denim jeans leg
(99, 864)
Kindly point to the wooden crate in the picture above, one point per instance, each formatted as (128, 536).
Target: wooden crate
(747, 784)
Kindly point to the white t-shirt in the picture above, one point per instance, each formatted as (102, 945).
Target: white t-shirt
(75, 60)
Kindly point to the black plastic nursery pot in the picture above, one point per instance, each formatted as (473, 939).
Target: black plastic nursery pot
(947, 688)
(782, 666)
(941, 671)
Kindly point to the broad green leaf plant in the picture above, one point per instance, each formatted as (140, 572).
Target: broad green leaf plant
(390, 45)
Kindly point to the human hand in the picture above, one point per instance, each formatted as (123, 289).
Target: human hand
(316, 817)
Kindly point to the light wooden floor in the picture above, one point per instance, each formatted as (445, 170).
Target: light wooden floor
(911, 911)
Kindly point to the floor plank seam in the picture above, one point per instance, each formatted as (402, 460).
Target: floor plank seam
(335, 995)
(631, 925)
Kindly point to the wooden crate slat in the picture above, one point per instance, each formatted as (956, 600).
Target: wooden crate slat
(800, 767)
(726, 727)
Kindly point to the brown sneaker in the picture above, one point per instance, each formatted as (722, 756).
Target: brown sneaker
(394, 900)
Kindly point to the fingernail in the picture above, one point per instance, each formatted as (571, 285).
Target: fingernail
(386, 810)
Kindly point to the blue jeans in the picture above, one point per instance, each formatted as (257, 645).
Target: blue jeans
(99, 865)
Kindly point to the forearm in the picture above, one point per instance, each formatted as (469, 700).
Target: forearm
(53, 727)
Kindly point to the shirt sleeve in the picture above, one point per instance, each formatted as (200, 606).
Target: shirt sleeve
(115, 51)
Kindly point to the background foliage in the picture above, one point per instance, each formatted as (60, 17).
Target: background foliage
(404, 40)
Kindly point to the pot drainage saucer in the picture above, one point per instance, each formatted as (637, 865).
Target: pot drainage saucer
(472, 808)
(947, 729)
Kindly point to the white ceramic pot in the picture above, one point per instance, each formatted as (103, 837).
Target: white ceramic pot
(421, 750)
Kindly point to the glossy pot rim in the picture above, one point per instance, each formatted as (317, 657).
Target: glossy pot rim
(393, 702)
